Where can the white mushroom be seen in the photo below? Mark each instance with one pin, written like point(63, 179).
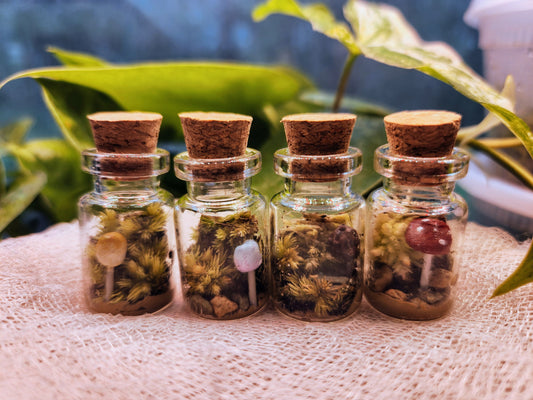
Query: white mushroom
point(110, 251)
point(247, 258)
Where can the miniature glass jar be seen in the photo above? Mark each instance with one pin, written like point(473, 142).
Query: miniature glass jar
point(317, 225)
point(127, 233)
point(222, 236)
point(414, 234)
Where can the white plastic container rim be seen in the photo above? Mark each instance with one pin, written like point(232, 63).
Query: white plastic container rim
point(481, 8)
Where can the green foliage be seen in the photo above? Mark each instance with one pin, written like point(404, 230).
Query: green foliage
point(19, 185)
point(381, 33)
point(521, 276)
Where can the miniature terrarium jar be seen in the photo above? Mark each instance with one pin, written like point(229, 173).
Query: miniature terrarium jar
point(317, 221)
point(221, 221)
point(127, 221)
point(415, 221)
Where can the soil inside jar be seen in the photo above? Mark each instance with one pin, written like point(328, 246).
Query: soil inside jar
point(149, 304)
point(413, 309)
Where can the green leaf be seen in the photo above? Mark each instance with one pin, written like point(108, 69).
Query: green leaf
point(169, 88)
point(73, 59)
point(69, 104)
point(16, 131)
point(323, 101)
point(65, 180)
point(505, 161)
point(369, 134)
point(318, 15)
point(490, 121)
point(384, 35)
point(19, 196)
point(521, 276)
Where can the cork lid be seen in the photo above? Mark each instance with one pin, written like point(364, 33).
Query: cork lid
point(318, 133)
point(215, 134)
point(129, 133)
point(422, 133)
point(125, 132)
point(314, 135)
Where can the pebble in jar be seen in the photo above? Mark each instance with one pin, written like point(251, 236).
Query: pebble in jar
point(222, 222)
point(317, 220)
point(127, 223)
point(416, 221)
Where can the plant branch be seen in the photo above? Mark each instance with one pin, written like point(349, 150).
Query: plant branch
point(501, 143)
point(508, 163)
point(343, 81)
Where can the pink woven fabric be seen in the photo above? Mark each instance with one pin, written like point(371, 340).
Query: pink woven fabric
point(51, 347)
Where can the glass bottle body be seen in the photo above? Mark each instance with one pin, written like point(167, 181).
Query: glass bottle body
point(128, 240)
point(222, 241)
point(414, 236)
point(317, 231)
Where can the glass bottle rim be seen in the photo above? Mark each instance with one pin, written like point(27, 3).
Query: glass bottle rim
point(125, 166)
point(315, 167)
point(217, 169)
point(427, 170)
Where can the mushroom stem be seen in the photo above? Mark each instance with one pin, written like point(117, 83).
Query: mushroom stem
point(109, 275)
point(426, 270)
point(252, 293)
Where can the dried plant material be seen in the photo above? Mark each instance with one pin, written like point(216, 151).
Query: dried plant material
point(315, 266)
point(215, 272)
point(410, 272)
point(141, 281)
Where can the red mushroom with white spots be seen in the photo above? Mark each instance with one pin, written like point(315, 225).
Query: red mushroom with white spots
point(431, 236)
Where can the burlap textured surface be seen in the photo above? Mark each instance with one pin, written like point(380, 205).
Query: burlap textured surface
point(51, 347)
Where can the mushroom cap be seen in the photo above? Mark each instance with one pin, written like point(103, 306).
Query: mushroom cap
point(429, 236)
point(247, 257)
point(111, 249)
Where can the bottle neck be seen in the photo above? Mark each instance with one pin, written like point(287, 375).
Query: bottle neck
point(219, 191)
point(411, 194)
point(339, 187)
point(114, 186)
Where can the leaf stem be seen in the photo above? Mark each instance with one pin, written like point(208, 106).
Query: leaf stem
point(343, 81)
point(505, 161)
point(501, 143)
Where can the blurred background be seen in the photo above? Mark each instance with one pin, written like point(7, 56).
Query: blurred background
point(123, 31)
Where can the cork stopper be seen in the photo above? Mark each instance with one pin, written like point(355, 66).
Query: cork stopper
point(125, 132)
point(318, 133)
point(424, 133)
point(216, 135)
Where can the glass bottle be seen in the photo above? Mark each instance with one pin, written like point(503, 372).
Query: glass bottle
point(127, 228)
point(317, 222)
point(415, 229)
point(221, 222)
